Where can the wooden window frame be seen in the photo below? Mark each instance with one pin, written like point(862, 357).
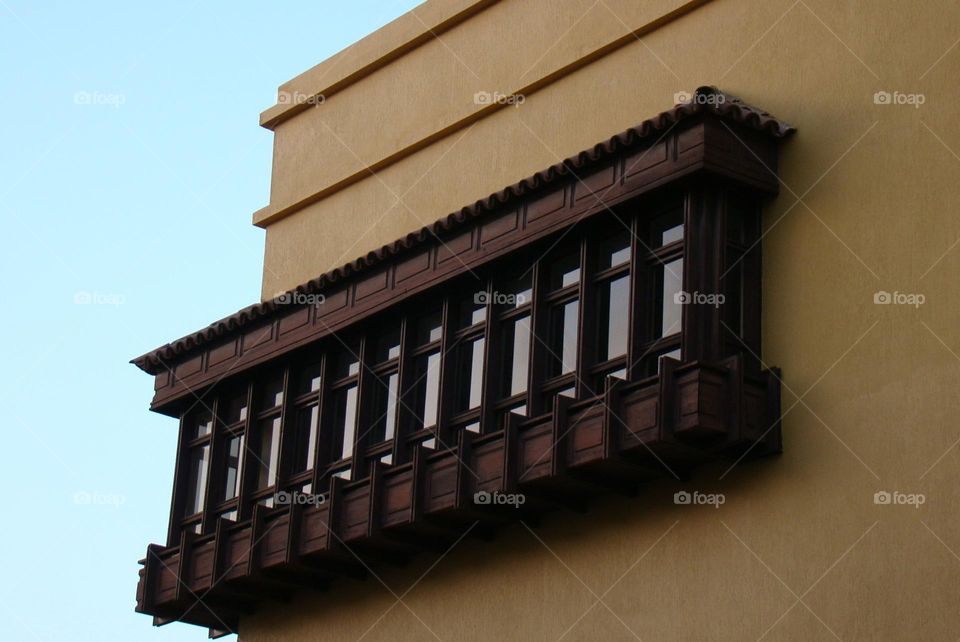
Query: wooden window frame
point(704, 208)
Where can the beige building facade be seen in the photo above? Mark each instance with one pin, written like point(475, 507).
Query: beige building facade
point(459, 98)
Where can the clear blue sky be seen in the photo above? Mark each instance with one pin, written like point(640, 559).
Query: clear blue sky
point(140, 202)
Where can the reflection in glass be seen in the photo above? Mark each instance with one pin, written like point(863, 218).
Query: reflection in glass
point(613, 304)
point(309, 380)
point(268, 454)
point(470, 374)
point(615, 251)
point(272, 394)
point(345, 418)
point(429, 328)
point(519, 292)
point(473, 310)
point(565, 271)
point(427, 391)
point(388, 346)
point(235, 409)
point(201, 424)
point(385, 409)
point(231, 482)
point(563, 335)
point(516, 355)
point(668, 228)
point(308, 421)
point(347, 362)
point(197, 479)
point(672, 307)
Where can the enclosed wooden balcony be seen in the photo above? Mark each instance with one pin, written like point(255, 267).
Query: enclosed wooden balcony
point(664, 425)
point(595, 326)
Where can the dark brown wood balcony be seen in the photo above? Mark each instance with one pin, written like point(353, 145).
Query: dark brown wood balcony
point(689, 414)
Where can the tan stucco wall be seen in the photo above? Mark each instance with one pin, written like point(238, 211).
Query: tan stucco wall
point(877, 384)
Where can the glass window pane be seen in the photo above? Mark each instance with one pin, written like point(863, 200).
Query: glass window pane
point(199, 424)
point(614, 306)
point(268, 454)
point(309, 379)
point(387, 346)
point(615, 251)
point(347, 362)
point(563, 338)
point(429, 328)
point(565, 271)
point(196, 479)
point(671, 304)
point(516, 355)
point(428, 390)
point(231, 481)
point(272, 394)
point(516, 293)
point(345, 418)
point(470, 374)
point(308, 422)
point(667, 228)
point(235, 408)
point(473, 311)
point(384, 408)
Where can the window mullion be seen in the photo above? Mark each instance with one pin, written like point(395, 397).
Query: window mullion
point(361, 426)
point(406, 391)
point(639, 329)
point(447, 375)
point(213, 466)
point(538, 338)
point(584, 293)
point(491, 364)
point(288, 429)
point(321, 458)
point(244, 505)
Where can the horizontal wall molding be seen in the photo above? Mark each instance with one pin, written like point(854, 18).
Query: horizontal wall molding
point(277, 114)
